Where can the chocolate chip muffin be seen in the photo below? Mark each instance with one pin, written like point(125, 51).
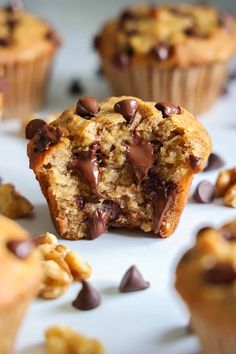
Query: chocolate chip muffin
point(27, 48)
point(19, 280)
point(177, 53)
point(206, 280)
point(122, 162)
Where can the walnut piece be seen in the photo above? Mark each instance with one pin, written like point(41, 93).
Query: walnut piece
point(13, 204)
point(226, 186)
point(61, 267)
point(65, 340)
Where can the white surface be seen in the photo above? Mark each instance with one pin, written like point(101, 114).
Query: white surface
point(148, 322)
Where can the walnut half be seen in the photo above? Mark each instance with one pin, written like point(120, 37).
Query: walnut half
point(65, 340)
point(61, 267)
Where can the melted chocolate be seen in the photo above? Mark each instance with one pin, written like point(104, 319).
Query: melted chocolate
point(48, 136)
point(140, 154)
point(86, 166)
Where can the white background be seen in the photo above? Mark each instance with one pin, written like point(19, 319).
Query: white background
point(148, 322)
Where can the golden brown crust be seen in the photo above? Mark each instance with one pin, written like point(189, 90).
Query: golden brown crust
point(182, 146)
point(195, 34)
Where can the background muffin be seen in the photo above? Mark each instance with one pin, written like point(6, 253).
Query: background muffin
point(176, 53)
point(27, 47)
point(19, 280)
point(206, 280)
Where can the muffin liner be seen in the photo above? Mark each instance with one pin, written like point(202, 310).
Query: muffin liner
point(213, 341)
point(27, 83)
point(195, 88)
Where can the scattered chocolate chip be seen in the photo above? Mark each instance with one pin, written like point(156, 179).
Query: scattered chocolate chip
point(121, 60)
point(195, 162)
point(127, 108)
point(140, 154)
point(86, 166)
point(76, 88)
point(222, 273)
point(214, 162)
point(162, 51)
point(133, 281)
point(87, 107)
point(5, 41)
point(33, 127)
point(205, 192)
point(48, 136)
point(20, 248)
point(167, 109)
point(161, 194)
point(97, 223)
point(52, 36)
point(88, 298)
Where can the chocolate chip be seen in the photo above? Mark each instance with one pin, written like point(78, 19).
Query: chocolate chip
point(20, 248)
point(121, 59)
point(33, 127)
point(161, 194)
point(214, 162)
point(140, 154)
point(127, 108)
point(222, 273)
point(52, 36)
point(88, 298)
point(162, 51)
point(85, 165)
point(97, 223)
point(205, 192)
point(113, 208)
point(195, 162)
point(167, 109)
point(48, 136)
point(6, 41)
point(87, 107)
point(76, 88)
point(133, 281)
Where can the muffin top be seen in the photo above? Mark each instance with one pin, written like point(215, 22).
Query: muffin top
point(23, 36)
point(176, 35)
point(206, 277)
point(20, 262)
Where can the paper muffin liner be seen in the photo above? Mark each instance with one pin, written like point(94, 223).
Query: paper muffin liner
point(195, 88)
point(27, 84)
point(212, 341)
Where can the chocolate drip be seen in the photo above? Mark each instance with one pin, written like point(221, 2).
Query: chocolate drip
point(97, 222)
point(140, 154)
point(86, 166)
point(161, 195)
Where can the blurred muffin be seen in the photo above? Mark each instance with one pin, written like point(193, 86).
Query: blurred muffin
point(177, 53)
point(19, 280)
point(3, 87)
point(27, 48)
point(206, 280)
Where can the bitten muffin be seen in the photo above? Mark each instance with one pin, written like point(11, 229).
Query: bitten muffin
point(206, 280)
point(27, 48)
point(122, 162)
point(19, 280)
point(177, 53)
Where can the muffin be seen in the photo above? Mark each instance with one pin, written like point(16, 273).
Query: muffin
point(178, 53)
point(122, 162)
point(27, 48)
point(206, 280)
point(20, 279)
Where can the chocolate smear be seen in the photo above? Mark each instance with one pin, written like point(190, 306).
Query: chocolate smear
point(86, 166)
point(88, 298)
point(33, 127)
point(20, 248)
point(133, 281)
point(140, 154)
